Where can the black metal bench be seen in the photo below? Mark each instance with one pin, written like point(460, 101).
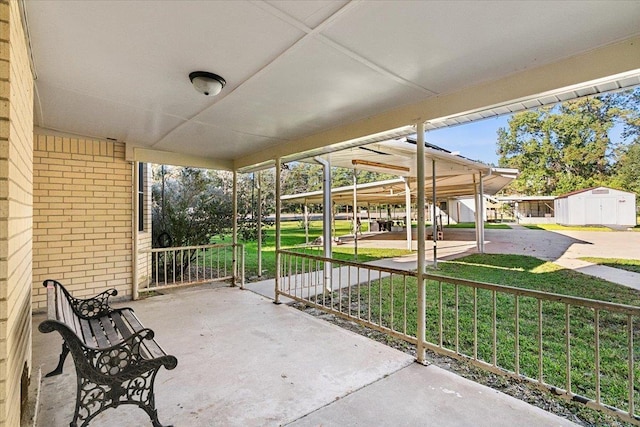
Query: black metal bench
point(116, 358)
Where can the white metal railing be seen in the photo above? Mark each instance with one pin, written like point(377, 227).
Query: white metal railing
point(191, 265)
point(584, 350)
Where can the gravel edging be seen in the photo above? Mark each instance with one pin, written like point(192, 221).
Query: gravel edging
point(522, 390)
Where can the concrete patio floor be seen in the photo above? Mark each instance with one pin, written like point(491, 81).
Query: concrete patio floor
point(244, 361)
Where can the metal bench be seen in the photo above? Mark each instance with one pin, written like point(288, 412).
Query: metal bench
point(116, 358)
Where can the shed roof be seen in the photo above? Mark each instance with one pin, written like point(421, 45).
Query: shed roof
point(573, 193)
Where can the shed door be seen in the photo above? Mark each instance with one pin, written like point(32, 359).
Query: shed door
point(601, 210)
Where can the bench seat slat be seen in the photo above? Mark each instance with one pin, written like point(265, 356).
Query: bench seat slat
point(98, 332)
point(112, 335)
point(120, 324)
point(132, 320)
point(87, 335)
point(153, 349)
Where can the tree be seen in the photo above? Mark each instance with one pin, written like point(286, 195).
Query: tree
point(562, 148)
point(627, 175)
point(190, 206)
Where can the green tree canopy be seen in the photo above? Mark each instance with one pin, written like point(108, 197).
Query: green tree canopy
point(567, 147)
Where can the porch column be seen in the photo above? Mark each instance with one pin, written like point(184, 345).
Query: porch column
point(327, 208)
point(421, 327)
point(481, 214)
point(259, 223)
point(278, 207)
point(355, 214)
point(136, 214)
point(407, 202)
point(234, 237)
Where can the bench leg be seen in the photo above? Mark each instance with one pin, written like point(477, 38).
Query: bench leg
point(92, 399)
point(63, 356)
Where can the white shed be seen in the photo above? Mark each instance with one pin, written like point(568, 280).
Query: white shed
point(596, 206)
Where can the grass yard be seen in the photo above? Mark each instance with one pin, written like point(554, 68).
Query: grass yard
point(558, 227)
point(487, 225)
point(623, 264)
point(292, 236)
point(384, 302)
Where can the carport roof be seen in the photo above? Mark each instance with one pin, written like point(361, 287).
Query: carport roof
point(393, 191)
point(455, 175)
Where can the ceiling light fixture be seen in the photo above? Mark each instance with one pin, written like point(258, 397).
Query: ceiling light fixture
point(207, 83)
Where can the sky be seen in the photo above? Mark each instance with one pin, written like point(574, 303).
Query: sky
point(476, 140)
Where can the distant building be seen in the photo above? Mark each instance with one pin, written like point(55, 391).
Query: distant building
point(596, 206)
point(531, 209)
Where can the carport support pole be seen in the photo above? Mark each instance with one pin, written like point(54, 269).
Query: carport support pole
point(435, 217)
point(407, 202)
point(234, 237)
point(278, 256)
point(476, 204)
point(259, 223)
point(421, 326)
point(355, 214)
point(306, 223)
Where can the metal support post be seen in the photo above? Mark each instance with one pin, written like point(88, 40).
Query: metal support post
point(259, 223)
point(475, 206)
point(407, 202)
point(234, 237)
point(327, 208)
point(355, 214)
point(421, 326)
point(278, 255)
point(481, 213)
point(435, 216)
point(134, 226)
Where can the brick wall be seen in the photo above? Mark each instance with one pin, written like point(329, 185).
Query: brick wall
point(16, 197)
point(82, 216)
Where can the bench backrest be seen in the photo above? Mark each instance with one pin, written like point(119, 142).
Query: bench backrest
point(107, 330)
point(59, 307)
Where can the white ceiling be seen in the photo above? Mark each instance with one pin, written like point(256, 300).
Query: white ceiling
point(304, 74)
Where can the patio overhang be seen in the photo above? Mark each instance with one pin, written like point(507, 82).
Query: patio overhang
point(328, 74)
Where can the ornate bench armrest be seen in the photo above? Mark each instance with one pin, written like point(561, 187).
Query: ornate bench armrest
point(126, 357)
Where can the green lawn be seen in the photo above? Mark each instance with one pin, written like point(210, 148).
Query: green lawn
point(384, 303)
point(487, 225)
point(293, 235)
point(558, 227)
point(624, 264)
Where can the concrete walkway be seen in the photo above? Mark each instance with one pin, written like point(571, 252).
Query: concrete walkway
point(243, 361)
point(561, 247)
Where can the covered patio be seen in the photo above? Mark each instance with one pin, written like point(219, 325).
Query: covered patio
point(244, 361)
point(93, 92)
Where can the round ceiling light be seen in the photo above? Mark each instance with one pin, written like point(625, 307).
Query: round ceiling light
point(207, 83)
